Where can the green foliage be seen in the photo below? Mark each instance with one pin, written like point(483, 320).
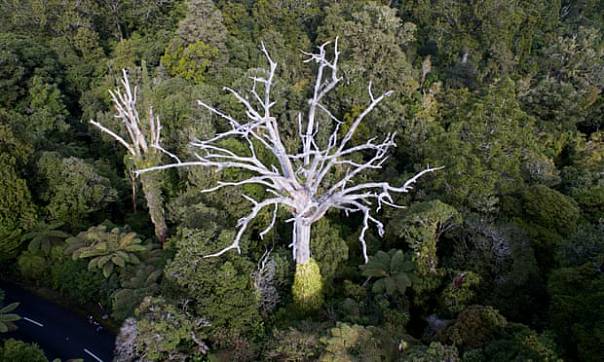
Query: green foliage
point(13, 143)
point(300, 343)
point(200, 42)
point(372, 41)
point(550, 209)
point(576, 310)
point(504, 259)
point(7, 317)
point(589, 156)
point(190, 62)
point(165, 331)
point(422, 226)
point(44, 236)
point(352, 343)
point(33, 265)
point(10, 244)
point(13, 350)
point(516, 342)
point(203, 21)
point(307, 290)
point(136, 283)
point(23, 58)
point(329, 249)
point(222, 290)
point(435, 352)
point(460, 292)
point(73, 279)
point(570, 78)
point(16, 207)
point(494, 37)
point(474, 327)
point(482, 144)
point(585, 245)
point(394, 272)
point(591, 202)
point(106, 250)
point(73, 188)
point(48, 113)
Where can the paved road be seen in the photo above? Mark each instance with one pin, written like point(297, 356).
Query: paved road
point(59, 332)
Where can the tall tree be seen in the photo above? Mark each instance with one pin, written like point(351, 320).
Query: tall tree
point(309, 179)
point(143, 149)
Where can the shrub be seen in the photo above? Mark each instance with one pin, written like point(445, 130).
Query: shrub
point(299, 343)
point(166, 332)
point(474, 327)
point(591, 201)
point(516, 342)
point(460, 291)
point(222, 289)
point(353, 343)
point(421, 228)
point(10, 245)
point(191, 61)
point(73, 188)
point(16, 207)
point(576, 311)
point(329, 250)
point(18, 351)
point(435, 352)
point(136, 282)
point(73, 279)
point(551, 209)
point(33, 265)
point(583, 246)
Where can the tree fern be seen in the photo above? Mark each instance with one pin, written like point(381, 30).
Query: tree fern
point(44, 236)
point(104, 249)
point(7, 318)
point(393, 270)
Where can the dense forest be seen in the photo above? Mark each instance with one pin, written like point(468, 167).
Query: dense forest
point(113, 200)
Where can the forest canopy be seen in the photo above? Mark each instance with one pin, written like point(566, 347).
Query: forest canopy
point(448, 154)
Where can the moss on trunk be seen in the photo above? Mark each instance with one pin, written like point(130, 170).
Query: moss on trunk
point(153, 195)
point(308, 287)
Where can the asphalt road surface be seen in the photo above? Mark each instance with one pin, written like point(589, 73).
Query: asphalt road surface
point(59, 332)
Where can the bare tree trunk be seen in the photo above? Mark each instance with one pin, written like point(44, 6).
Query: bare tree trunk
point(308, 283)
point(302, 237)
point(152, 192)
point(301, 182)
point(133, 182)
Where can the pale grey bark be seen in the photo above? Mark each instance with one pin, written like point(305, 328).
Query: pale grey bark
point(144, 148)
point(301, 234)
point(299, 181)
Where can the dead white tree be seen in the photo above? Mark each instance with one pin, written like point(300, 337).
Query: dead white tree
point(143, 148)
point(299, 181)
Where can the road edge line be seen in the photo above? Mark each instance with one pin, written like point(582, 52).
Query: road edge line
point(93, 356)
point(34, 322)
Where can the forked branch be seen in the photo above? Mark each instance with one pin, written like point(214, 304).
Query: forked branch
point(298, 180)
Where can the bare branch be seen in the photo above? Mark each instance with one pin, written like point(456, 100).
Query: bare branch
point(125, 106)
point(272, 223)
point(114, 136)
point(307, 199)
point(259, 180)
point(244, 222)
